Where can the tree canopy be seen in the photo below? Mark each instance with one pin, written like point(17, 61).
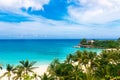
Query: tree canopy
point(102, 43)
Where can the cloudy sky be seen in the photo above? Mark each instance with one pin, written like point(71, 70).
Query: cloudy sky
point(48, 19)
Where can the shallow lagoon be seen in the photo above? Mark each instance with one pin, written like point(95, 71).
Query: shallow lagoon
point(42, 51)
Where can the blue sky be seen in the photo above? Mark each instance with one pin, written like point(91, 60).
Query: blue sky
point(59, 19)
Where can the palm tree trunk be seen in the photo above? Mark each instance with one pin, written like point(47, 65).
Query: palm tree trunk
point(26, 72)
point(8, 77)
point(76, 78)
point(20, 78)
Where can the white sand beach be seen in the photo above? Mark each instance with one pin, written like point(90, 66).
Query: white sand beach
point(40, 71)
point(109, 49)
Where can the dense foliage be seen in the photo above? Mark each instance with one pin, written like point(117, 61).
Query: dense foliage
point(78, 66)
point(106, 44)
point(87, 66)
point(83, 41)
point(102, 43)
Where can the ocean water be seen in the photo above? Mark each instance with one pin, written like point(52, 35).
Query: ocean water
point(43, 51)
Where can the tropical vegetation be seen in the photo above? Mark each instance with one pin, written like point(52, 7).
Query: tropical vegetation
point(101, 43)
point(81, 65)
point(87, 66)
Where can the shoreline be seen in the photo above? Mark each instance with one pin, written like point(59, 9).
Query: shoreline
point(111, 49)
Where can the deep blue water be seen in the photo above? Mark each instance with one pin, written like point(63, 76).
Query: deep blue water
point(43, 51)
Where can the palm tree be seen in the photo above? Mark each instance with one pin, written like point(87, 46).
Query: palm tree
point(79, 55)
point(77, 73)
point(108, 64)
point(9, 69)
point(19, 72)
point(27, 66)
point(35, 76)
point(69, 59)
point(45, 76)
point(64, 71)
point(52, 67)
point(87, 61)
point(85, 58)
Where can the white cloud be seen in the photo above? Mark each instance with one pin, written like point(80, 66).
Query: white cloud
point(40, 29)
point(95, 11)
point(12, 5)
point(52, 29)
point(92, 11)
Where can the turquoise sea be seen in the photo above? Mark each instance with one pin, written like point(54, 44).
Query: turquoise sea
point(43, 51)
